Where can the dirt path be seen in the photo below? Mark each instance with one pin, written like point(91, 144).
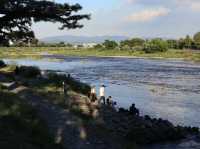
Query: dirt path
point(67, 128)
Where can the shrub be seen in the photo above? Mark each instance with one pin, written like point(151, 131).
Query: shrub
point(28, 71)
point(138, 48)
point(197, 37)
point(74, 84)
point(56, 78)
point(98, 46)
point(125, 47)
point(78, 86)
point(155, 45)
point(2, 64)
point(133, 42)
point(108, 44)
point(197, 45)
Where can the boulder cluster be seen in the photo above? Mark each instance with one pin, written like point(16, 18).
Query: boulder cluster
point(143, 129)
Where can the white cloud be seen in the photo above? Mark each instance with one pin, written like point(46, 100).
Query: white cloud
point(195, 6)
point(192, 4)
point(147, 15)
point(130, 1)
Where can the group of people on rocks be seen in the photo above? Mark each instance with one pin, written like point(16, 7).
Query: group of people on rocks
point(102, 99)
point(105, 101)
point(109, 102)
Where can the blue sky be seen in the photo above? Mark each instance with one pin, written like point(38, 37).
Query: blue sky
point(134, 18)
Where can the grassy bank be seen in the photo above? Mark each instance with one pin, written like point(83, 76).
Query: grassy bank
point(20, 126)
point(37, 52)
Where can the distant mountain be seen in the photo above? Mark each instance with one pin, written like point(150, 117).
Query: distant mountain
point(82, 39)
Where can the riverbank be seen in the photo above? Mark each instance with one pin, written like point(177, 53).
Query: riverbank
point(21, 126)
point(38, 52)
point(89, 124)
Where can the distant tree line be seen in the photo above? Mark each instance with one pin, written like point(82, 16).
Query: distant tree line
point(147, 45)
point(153, 45)
point(36, 43)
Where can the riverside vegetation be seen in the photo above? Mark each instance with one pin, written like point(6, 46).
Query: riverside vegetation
point(185, 48)
point(20, 125)
point(39, 52)
point(105, 127)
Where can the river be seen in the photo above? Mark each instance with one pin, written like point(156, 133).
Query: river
point(161, 88)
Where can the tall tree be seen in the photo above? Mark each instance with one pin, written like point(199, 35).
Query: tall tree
point(172, 43)
point(188, 42)
point(156, 45)
point(197, 37)
point(109, 44)
point(17, 16)
point(133, 42)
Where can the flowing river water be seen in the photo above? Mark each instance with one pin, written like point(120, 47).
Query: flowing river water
point(169, 89)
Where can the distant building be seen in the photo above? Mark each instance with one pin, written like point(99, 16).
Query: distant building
point(89, 45)
point(84, 45)
point(75, 46)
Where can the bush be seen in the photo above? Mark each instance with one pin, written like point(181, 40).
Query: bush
point(78, 86)
point(56, 78)
point(155, 45)
point(108, 44)
point(75, 85)
point(138, 48)
point(133, 42)
point(197, 37)
point(28, 71)
point(197, 45)
point(2, 64)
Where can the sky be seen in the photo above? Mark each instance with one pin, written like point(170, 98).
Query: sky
point(133, 18)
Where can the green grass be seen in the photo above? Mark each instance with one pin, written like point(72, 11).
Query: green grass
point(20, 126)
point(8, 69)
point(36, 52)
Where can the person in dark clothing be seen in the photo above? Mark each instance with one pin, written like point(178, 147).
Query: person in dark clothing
point(93, 95)
point(17, 70)
point(133, 110)
point(102, 99)
point(65, 88)
point(109, 100)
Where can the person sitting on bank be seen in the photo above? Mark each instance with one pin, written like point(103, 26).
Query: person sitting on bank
point(68, 75)
point(65, 93)
point(102, 94)
point(114, 104)
point(109, 101)
point(64, 88)
point(133, 110)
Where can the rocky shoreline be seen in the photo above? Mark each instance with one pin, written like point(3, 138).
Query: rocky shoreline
point(144, 129)
point(135, 129)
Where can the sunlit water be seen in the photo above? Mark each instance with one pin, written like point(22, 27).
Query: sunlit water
point(161, 88)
